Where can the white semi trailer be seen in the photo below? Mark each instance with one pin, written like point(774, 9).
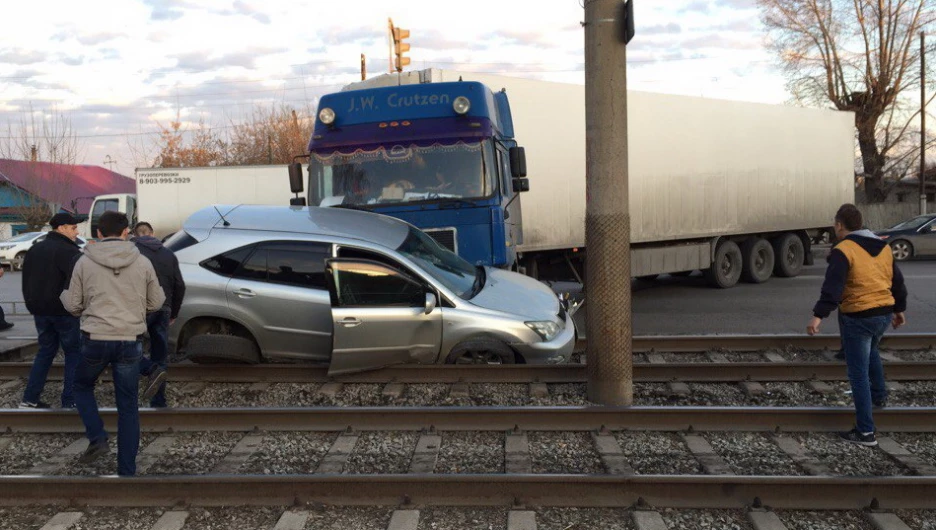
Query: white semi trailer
point(731, 188)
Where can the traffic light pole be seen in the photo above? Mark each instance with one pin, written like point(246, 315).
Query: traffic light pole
point(607, 218)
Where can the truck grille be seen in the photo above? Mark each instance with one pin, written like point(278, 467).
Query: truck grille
point(444, 237)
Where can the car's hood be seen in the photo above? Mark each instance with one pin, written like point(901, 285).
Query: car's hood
point(517, 294)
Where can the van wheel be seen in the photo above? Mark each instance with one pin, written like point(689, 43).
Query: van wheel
point(758, 257)
point(207, 348)
point(789, 254)
point(481, 351)
point(726, 267)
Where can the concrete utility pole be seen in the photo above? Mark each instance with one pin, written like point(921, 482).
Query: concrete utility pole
point(607, 217)
point(922, 123)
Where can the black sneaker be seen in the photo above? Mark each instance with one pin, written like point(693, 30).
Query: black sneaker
point(840, 356)
point(34, 405)
point(93, 452)
point(5, 326)
point(155, 380)
point(879, 404)
point(855, 437)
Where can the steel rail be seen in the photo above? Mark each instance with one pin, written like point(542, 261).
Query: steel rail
point(664, 491)
point(701, 343)
point(518, 373)
point(802, 419)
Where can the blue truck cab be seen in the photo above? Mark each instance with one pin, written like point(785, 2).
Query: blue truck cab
point(440, 156)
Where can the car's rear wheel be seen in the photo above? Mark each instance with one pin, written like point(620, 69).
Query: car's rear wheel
point(902, 250)
point(481, 351)
point(17, 264)
point(208, 348)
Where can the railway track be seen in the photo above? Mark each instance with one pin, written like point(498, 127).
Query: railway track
point(723, 372)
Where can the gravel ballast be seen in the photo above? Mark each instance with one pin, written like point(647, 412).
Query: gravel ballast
point(920, 444)
point(26, 517)
point(471, 452)
point(106, 465)
point(349, 518)
point(284, 453)
point(705, 519)
point(564, 452)
point(657, 453)
point(96, 518)
point(195, 453)
point(583, 519)
point(382, 452)
point(241, 518)
point(27, 450)
point(918, 519)
point(828, 520)
point(449, 518)
point(752, 454)
point(847, 459)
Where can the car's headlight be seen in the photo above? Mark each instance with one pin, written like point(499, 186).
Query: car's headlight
point(546, 329)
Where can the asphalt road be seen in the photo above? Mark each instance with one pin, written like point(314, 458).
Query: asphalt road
point(679, 306)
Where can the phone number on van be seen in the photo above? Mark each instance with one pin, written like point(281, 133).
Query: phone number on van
point(165, 180)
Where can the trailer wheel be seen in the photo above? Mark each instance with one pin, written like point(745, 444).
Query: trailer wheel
point(726, 267)
point(789, 254)
point(758, 263)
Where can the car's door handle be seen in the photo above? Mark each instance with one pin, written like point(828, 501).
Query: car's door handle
point(350, 322)
point(245, 293)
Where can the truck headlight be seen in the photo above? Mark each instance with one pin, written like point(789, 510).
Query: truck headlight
point(547, 329)
point(327, 116)
point(461, 105)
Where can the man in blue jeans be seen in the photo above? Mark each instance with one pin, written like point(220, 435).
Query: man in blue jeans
point(868, 289)
point(112, 289)
point(46, 270)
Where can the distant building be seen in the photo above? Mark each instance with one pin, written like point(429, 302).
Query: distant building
point(32, 190)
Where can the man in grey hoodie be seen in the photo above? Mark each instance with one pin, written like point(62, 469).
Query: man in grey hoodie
point(112, 289)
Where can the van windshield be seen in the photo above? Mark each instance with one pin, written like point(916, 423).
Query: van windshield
point(456, 274)
point(393, 174)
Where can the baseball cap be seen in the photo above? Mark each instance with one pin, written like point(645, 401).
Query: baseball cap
point(62, 218)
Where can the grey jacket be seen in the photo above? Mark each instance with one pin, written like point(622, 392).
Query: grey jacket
point(112, 288)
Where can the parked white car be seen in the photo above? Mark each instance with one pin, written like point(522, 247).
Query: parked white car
point(13, 250)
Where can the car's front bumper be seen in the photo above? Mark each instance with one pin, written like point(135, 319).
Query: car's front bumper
point(556, 351)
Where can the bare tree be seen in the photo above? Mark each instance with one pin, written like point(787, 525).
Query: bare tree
point(858, 55)
point(50, 146)
point(271, 136)
point(205, 147)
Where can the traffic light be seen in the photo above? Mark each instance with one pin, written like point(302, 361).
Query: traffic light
point(400, 47)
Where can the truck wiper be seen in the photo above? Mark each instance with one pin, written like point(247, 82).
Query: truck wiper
point(452, 202)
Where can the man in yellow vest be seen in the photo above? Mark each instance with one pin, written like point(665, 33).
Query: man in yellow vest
point(865, 284)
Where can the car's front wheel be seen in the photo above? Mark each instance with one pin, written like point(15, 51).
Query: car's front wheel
point(481, 351)
point(902, 250)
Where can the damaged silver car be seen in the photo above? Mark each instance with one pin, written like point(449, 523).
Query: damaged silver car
point(354, 289)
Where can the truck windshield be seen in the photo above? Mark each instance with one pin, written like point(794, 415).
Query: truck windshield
point(456, 274)
point(402, 174)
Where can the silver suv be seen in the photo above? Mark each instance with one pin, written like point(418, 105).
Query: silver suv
point(356, 289)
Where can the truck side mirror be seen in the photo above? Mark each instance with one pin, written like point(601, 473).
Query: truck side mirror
point(295, 178)
point(521, 185)
point(518, 162)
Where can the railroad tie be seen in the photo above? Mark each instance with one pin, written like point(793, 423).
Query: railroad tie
point(173, 520)
point(63, 521)
point(9, 385)
point(330, 390)
point(258, 387)
point(5, 441)
point(404, 520)
point(292, 520)
point(459, 390)
point(338, 454)
point(521, 520)
point(517, 454)
point(716, 357)
point(762, 520)
point(539, 391)
point(655, 358)
point(712, 462)
point(820, 387)
point(612, 456)
point(678, 388)
point(426, 453)
point(774, 357)
point(59, 459)
point(649, 520)
point(894, 386)
point(905, 457)
point(153, 452)
point(393, 390)
point(801, 456)
point(753, 388)
point(193, 388)
point(889, 357)
point(238, 456)
point(886, 521)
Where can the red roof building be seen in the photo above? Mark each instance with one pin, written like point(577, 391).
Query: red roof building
point(71, 187)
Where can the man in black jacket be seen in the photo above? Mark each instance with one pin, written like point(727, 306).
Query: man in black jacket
point(46, 272)
point(158, 322)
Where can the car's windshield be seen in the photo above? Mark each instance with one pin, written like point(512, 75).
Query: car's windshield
point(24, 237)
point(453, 272)
point(396, 174)
point(912, 224)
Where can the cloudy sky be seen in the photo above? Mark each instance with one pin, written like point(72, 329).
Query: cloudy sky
point(117, 67)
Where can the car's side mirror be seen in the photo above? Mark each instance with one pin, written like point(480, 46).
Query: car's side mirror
point(431, 302)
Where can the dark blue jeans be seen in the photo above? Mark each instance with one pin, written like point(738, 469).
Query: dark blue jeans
point(53, 332)
point(861, 337)
point(157, 324)
point(124, 358)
